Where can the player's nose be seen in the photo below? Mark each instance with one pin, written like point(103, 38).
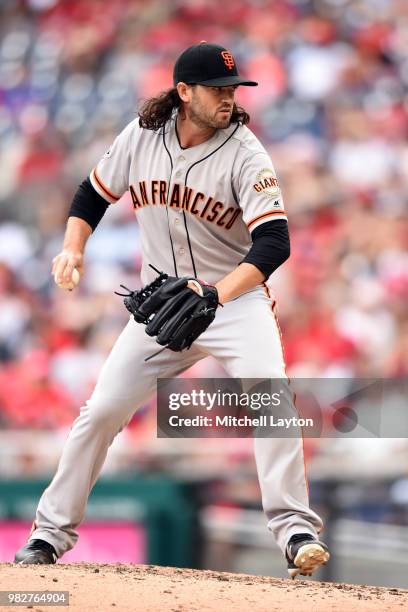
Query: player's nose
point(227, 101)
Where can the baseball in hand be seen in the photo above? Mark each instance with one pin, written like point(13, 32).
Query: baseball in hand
point(75, 278)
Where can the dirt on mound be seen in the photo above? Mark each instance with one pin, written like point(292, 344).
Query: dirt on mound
point(150, 588)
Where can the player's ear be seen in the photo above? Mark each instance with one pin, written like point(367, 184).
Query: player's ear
point(184, 91)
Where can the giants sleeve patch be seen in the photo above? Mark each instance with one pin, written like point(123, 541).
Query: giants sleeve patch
point(267, 183)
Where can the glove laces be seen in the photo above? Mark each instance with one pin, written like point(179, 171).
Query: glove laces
point(148, 289)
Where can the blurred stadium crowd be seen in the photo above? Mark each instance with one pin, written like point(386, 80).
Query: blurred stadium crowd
point(332, 110)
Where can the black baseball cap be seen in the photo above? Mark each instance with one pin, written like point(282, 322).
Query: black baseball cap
point(210, 65)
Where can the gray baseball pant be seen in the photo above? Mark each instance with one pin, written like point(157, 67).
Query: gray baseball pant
point(245, 339)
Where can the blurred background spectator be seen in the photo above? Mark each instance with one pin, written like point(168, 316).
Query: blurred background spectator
point(331, 109)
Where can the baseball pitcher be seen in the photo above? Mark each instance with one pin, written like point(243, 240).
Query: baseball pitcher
point(213, 228)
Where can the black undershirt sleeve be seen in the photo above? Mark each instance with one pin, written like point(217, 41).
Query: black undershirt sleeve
point(270, 247)
point(88, 205)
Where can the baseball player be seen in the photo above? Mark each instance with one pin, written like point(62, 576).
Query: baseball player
point(209, 207)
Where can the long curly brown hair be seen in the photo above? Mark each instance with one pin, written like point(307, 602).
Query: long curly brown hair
point(155, 112)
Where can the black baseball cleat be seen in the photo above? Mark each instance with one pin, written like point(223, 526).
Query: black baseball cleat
point(305, 554)
point(36, 551)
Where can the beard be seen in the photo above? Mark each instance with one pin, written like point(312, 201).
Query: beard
point(200, 116)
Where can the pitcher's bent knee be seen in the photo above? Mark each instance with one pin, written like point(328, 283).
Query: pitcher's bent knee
point(105, 412)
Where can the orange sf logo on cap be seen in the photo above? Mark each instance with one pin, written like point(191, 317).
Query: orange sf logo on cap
point(228, 59)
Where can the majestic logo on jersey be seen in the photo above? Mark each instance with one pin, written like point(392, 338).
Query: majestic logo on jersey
point(267, 183)
point(228, 59)
point(196, 203)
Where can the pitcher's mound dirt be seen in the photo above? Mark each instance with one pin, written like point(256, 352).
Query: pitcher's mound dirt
point(149, 588)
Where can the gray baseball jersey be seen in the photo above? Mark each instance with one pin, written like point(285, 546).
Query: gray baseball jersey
point(226, 186)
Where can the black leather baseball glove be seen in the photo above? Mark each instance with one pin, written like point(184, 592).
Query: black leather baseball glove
point(171, 311)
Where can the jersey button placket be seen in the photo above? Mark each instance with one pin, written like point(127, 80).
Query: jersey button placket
point(180, 166)
point(179, 173)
